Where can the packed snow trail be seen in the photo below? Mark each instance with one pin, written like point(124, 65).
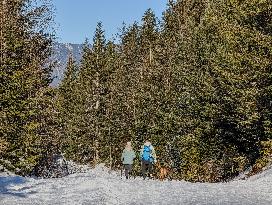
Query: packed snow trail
point(98, 187)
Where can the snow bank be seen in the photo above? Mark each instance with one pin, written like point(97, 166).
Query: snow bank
point(99, 186)
point(266, 174)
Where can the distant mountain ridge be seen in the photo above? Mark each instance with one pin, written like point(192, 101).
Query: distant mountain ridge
point(61, 53)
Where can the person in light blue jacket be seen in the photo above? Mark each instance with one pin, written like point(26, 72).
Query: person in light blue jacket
point(127, 158)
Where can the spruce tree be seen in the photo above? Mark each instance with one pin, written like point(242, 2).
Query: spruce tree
point(92, 100)
point(187, 85)
point(234, 53)
point(126, 79)
point(67, 106)
point(148, 35)
point(24, 80)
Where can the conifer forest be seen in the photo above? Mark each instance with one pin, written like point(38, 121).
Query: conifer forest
point(197, 83)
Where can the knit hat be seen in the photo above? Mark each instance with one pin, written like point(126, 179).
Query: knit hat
point(128, 146)
point(147, 143)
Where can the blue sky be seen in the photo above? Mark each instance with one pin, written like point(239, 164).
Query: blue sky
point(76, 19)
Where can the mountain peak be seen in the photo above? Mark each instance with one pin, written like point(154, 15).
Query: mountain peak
point(61, 52)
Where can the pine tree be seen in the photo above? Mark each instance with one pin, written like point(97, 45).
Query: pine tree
point(148, 35)
point(111, 139)
point(234, 53)
point(126, 80)
point(78, 143)
point(24, 80)
point(67, 105)
point(185, 84)
point(93, 101)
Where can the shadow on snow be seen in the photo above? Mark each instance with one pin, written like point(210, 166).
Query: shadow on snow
point(7, 181)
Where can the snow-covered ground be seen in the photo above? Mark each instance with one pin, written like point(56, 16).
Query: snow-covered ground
point(98, 186)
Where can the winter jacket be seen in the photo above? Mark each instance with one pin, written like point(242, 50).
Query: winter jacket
point(128, 156)
point(152, 154)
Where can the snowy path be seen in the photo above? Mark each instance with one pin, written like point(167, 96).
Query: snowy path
point(98, 187)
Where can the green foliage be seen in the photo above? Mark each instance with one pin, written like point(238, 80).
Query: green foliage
point(265, 159)
point(24, 79)
point(198, 86)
